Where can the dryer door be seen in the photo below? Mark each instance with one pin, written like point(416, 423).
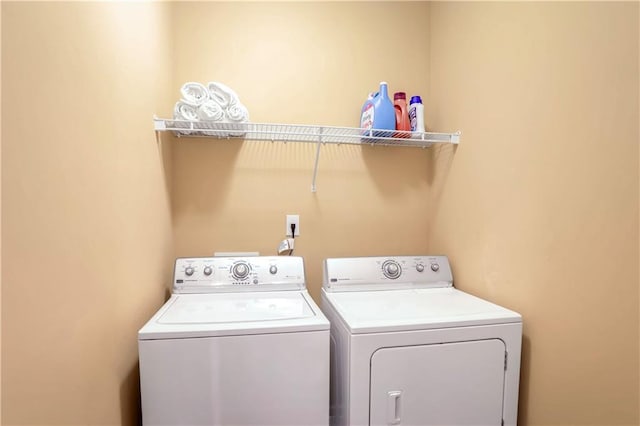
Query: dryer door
point(457, 384)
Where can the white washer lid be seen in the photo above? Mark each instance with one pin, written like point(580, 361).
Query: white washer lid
point(416, 309)
point(208, 315)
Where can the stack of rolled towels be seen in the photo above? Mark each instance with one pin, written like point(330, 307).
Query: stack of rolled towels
point(213, 103)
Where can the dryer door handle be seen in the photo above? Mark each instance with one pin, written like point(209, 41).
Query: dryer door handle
point(393, 407)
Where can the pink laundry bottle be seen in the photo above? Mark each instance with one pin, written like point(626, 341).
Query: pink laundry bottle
point(402, 114)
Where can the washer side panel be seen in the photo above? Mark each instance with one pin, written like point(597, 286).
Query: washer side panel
point(269, 379)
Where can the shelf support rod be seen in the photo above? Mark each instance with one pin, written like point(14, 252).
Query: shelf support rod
point(315, 167)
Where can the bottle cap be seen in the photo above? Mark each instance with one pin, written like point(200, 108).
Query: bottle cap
point(415, 100)
point(399, 95)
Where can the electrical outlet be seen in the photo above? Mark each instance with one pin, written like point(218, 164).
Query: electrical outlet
point(293, 218)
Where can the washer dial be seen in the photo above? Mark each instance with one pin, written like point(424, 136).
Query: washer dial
point(240, 270)
point(189, 271)
point(207, 270)
point(391, 269)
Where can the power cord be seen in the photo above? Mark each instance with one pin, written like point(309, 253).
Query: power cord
point(293, 234)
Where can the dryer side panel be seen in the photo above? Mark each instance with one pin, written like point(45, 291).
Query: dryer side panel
point(340, 371)
point(458, 384)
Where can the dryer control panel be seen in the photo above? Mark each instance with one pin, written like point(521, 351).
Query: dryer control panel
point(386, 273)
point(234, 274)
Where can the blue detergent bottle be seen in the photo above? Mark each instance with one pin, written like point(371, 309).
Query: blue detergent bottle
point(378, 114)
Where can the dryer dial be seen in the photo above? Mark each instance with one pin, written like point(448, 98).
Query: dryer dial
point(391, 269)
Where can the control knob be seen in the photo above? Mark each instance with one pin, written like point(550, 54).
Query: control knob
point(419, 267)
point(435, 267)
point(207, 270)
point(240, 270)
point(189, 271)
point(391, 269)
point(273, 269)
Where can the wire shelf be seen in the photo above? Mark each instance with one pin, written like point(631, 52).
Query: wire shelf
point(303, 133)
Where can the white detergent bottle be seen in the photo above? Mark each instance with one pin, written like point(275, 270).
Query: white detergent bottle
point(416, 114)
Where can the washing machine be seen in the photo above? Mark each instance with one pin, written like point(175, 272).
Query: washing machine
point(239, 342)
point(407, 348)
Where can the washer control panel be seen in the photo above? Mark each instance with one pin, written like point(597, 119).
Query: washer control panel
point(231, 274)
point(383, 273)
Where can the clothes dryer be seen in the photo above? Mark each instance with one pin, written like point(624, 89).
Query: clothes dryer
point(240, 342)
point(408, 348)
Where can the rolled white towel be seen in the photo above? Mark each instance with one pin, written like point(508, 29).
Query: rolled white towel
point(237, 115)
point(194, 93)
point(211, 112)
point(184, 111)
point(222, 94)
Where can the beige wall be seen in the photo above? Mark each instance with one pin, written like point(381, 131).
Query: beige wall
point(0, 228)
point(538, 209)
point(86, 220)
point(301, 63)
